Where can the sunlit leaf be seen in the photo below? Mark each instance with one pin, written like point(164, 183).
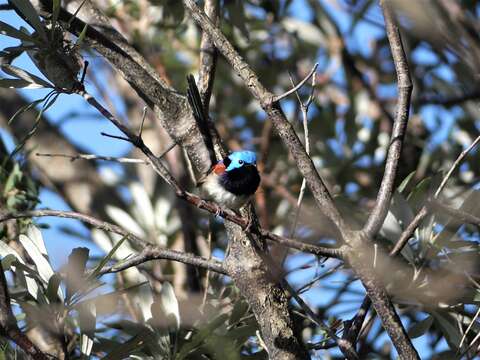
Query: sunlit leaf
point(169, 304)
point(87, 322)
point(30, 282)
point(143, 204)
point(40, 261)
point(124, 219)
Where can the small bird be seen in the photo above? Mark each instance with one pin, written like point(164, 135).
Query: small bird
point(233, 180)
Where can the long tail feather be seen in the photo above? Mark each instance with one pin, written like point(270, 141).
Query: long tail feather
point(193, 96)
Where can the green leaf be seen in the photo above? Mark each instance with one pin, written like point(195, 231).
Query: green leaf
point(6, 29)
point(13, 178)
point(405, 182)
point(81, 37)
point(25, 75)
point(201, 336)
point(106, 259)
point(134, 344)
point(87, 315)
point(55, 12)
point(77, 261)
point(53, 288)
point(27, 9)
point(8, 261)
point(25, 108)
point(421, 327)
point(41, 262)
point(18, 84)
point(239, 310)
point(169, 305)
point(447, 325)
point(417, 197)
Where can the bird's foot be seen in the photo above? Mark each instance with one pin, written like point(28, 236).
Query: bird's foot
point(218, 210)
point(201, 203)
point(250, 223)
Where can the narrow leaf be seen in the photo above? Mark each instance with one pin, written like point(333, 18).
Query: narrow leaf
point(6, 29)
point(27, 9)
point(18, 84)
point(106, 259)
point(25, 75)
point(81, 37)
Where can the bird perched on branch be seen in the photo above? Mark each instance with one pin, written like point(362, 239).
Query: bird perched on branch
point(233, 180)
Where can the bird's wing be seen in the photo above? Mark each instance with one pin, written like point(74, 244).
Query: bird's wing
point(218, 169)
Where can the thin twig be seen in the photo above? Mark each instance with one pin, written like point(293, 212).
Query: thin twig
point(457, 162)
point(298, 86)
point(304, 108)
point(155, 253)
point(96, 157)
point(468, 328)
point(144, 115)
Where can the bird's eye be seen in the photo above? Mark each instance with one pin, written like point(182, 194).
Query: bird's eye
point(240, 162)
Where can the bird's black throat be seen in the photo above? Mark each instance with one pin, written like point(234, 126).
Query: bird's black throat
point(241, 181)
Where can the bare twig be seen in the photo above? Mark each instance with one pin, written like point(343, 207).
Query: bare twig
point(8, 323)
point(347, 349)
point(155, 253)
point(457, 162)
point(96, 157)
point(149, 252)
point(295, 88)
point(380, 210)
point(304, 108)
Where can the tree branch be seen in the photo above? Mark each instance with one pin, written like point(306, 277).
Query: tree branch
point(156, 253)
point(274, 112)
point(380, 210)
point(149, 252)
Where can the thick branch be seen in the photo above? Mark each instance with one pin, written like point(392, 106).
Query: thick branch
point(379, 212)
